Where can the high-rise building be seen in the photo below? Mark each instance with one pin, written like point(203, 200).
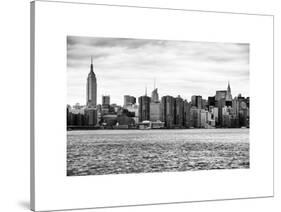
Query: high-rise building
point(186, 114)
point(155, 106)
point(198, 117)
point(155, 111)
point(229, 118)
point(91, 116)
point(196, 101)
point(241, 110)
point(248, 102)
point(220, 104)
point(213, 116)
point(203, 118)
point(224, 94)
point(129, 100)
point(134, 109)
point(155, 95)
point(179, 112)
point(211, 101)
point(220, 95)
point(144, 108)
point(91, 88)
point(228, 93)
point(168, 111)
point(68, 115)
point(204, 103)
point(105, 101)
point(76, 115)
point(195, 118)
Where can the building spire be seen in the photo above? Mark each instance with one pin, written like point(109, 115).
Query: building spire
point(145, 90)
point(92, 68)
point(154, 83)
point(228, 93)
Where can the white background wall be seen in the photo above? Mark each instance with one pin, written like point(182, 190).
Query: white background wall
point(14, 104)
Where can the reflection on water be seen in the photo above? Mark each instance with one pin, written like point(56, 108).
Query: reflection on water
point(100, 152)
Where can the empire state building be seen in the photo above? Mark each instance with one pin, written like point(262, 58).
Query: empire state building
point(91, 88)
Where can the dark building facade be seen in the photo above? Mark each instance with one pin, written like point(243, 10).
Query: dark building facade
point(196, 101)
point(91, 116)
point(211, 101)
point(168, 111)
point(179, 112)
point(220, 95)
point(105, 101)
point(220, 104)
point(144, 108)
point(129, 100)
point(186, 114)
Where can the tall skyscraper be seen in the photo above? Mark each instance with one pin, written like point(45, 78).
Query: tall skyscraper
point(228, 93)
point(241, 110)
point(144, 107)
point(155, 111)
point(220, 95)
point(196, 101)
point(155, 105)
point(195, 117)
point(179, 112)
point(91, 88)
point(129, 100)
point(105, 100)
point(155, 95)
point(186, 113)
point(211, 101)
point(220, 104)
point(168, 111)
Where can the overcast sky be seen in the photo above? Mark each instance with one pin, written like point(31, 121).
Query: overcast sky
point(127, 66)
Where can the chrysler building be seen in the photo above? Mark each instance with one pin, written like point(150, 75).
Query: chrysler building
point(228, 93)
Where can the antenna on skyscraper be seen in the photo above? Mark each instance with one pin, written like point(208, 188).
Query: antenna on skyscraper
point(228, 86)
point(92, 68)
point(145, 90)
point(154, 83)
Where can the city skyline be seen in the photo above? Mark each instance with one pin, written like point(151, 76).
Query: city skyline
point(136, 129)
point(224, 62)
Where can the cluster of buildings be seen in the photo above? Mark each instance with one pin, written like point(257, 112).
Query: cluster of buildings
point(145, 112)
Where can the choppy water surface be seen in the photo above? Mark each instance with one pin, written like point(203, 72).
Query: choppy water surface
point(100, 152)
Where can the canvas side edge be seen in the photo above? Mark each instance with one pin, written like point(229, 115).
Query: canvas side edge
point(32, 106)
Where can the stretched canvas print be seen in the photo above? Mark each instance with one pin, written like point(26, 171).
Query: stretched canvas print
point(143, 105)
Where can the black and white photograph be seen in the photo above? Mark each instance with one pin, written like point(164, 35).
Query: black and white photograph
point(141, 105)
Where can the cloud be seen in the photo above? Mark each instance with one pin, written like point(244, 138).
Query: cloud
point(126, 66)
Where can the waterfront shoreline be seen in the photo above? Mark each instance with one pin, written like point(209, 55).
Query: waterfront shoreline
point(105, 129)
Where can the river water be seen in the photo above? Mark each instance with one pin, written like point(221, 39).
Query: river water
point(100, 152)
